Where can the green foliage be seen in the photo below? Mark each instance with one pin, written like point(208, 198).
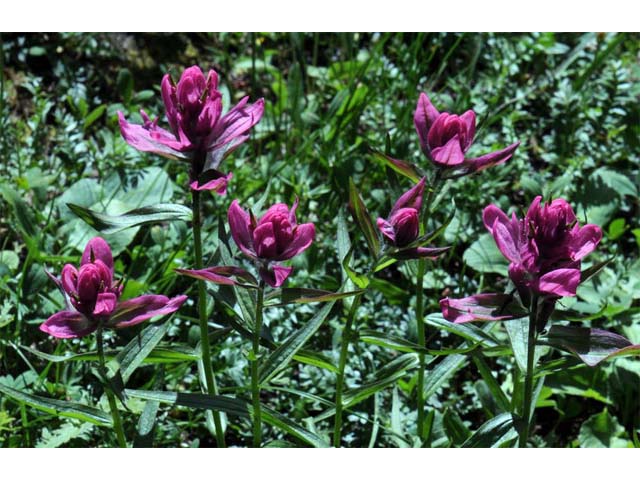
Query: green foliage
point(333, 104)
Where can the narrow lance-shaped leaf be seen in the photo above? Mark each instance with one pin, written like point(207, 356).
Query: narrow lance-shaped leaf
point(591, 345)
point(400, 166)
point(230, 406)
point(285, 296)
point(282, 355)
point(108, 224)
point(363, 219)
point(59, 407)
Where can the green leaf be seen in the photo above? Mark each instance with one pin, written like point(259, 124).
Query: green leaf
point(124, 82)
point(25, 218)
point(618, 182)
point(285, 296)
point(135, 352)
point(146, 424)
point(172, 354)
point(108, 224)
point(602, 431)
point(467, 331)
point(455, 428)
point(282, 355)
point(59, 407)
point(362, 217)
point(360, 280)
point(95, 114)
point(10, 259)
point(518, 330)
point(483, 256)
point(591, 345)
point(494, 433)
point(387, 375)
point(231, 406)
point(400, 166)
point(400, 344)
point(498, 394)
point(441, 373)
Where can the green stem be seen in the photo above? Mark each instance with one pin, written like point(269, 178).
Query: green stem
point(528, 379)
point(420, 329)
point(255, 364)
point(113, 406)
point(422, 342)
point(211, 387)
point(344, 349)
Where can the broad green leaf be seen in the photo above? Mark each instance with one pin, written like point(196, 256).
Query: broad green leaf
point(484, 256)
point(109, 224)
point(494, 433)
point(25, 218)
point(10, 259)
point(616, 181)
point(282, 355)
point(602, 430)
point(362, 217)
point(59, 407)
point(230, 406)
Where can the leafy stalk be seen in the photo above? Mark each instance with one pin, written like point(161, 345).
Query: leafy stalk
point(528, 379)
point(420, 328)
point(113, 406)
point(255, 364)
point(346, 340)
point(211, 387)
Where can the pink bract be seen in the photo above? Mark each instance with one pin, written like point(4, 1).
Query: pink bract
point(199, 133)
point(95, 297)
point(446, 137)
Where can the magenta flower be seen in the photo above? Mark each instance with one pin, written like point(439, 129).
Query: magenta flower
point(445, 139)
point(274, 238)
point(403, 225)
point(94, 297)
point(402, 228)
point(199, 132)
point(545, 249)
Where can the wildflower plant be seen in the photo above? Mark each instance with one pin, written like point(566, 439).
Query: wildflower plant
point(264, 377)
point(545, 250)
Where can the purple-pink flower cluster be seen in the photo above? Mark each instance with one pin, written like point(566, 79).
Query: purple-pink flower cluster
point(545, 249)
point(199, 132)
point(94, 297)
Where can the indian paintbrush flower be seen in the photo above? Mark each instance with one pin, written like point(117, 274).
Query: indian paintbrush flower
point(272, 239)
point(402, 227)
point(445, 139)
point(94, 297)
point(544, 249)
point(199, 132)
